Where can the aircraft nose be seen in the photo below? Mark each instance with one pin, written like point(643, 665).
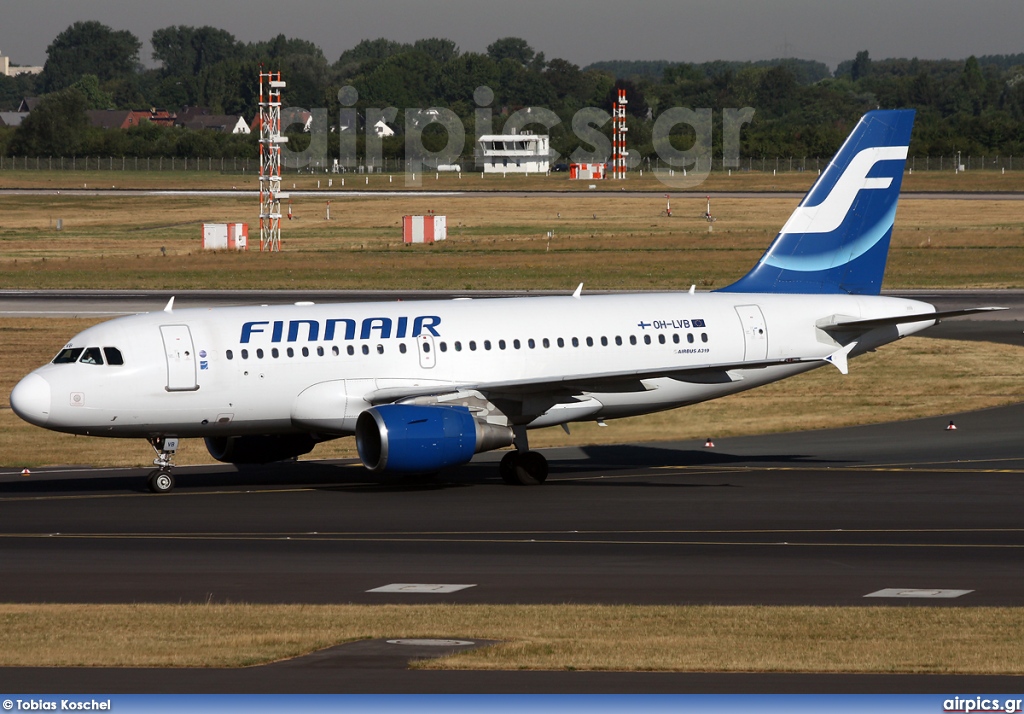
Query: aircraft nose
point(31, 399)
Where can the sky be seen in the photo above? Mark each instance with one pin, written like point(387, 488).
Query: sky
point(580, 31)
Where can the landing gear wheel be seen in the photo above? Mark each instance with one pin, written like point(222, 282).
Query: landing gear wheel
point(526, 468)
point(161, 481)
point(507, 468)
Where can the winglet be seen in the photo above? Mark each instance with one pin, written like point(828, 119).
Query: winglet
point(693, 289)
point(170, 305)
point(839, 358)
point(579, 291)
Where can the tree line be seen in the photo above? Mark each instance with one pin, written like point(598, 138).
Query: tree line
point(975, 105)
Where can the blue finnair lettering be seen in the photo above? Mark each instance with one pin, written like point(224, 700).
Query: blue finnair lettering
point(342, 328)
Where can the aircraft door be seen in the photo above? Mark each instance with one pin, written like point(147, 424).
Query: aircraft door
point(755, 332)
point(425, 345)
point(181, 358)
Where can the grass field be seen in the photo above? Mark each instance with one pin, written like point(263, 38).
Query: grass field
point(549, 637)
point(495, 242)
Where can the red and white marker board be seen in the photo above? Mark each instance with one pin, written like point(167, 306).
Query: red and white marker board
point(424, 229)
point(225, 236)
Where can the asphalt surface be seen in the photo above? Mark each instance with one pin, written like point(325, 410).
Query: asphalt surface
point(822, 518)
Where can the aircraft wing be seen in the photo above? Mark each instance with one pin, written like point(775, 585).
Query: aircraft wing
point(598, 382)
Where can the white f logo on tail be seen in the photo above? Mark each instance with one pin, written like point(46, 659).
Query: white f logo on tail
point(829, 214)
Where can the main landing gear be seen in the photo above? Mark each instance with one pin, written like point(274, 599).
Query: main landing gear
point(523, 467)
point(160, 479)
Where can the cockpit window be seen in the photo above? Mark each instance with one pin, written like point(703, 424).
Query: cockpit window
point(113, 355)
point(91, 356)
point(68, 355)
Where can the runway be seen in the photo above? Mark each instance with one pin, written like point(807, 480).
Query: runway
point(822, 518)
point(810, 518)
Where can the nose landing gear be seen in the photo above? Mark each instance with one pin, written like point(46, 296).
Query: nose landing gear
point(160, 479)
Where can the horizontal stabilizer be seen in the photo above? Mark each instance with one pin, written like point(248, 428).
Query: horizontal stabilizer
point(839, 324)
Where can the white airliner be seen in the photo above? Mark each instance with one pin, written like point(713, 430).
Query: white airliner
point(425, 385)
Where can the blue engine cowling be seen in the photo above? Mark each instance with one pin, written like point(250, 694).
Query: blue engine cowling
point(415, 438)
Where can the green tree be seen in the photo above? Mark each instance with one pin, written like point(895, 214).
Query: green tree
point(89, 48)
point(440, 50)
point(861, 66)
point(95, 98)
point(514, 48)
point(57, 127)
point(187, 50)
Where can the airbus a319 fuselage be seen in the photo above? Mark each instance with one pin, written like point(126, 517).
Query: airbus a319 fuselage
point(426, 384)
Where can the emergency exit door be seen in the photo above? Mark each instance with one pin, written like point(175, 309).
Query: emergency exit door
point(755, 332)
point(181, 358)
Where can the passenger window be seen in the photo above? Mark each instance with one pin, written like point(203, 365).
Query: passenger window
point(402, 348)
point(274, 353)
point(531, 343)
point(675, 338)
point(516, 344)
point(703, 337)
point(113, 356)
point(661, 339)
point(380, 349)
point(245, 354)
point(632, 339)
point(320, 351)
point(472, 345)
point(69, 355)
point(618, 340)
point(291, 352)
point(546, 343)
point(487, 344)
point(458, 346)
point(561, 342)
point(259, 353)
point(590, 342)
point(647, 339)
point(351, 350)
point(305, 352)
point(604, 341)
point(335, 350)
point(91, 356)
point(229, 354)
point(366, 349)
point(444, 346)
point(501, 344)
point(689, 337)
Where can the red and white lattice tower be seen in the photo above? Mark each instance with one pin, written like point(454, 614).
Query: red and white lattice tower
point(619, 136)
point(270, 160)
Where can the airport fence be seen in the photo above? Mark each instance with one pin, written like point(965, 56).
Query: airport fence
point(763, 164)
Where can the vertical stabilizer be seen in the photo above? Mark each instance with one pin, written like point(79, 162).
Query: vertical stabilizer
point(837, 240)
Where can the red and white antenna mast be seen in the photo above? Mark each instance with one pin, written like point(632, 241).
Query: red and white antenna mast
point(270, 160)
point(619, 136)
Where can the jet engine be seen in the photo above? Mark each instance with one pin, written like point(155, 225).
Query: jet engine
point(416, 439)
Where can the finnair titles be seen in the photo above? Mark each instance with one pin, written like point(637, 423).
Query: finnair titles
point(426, 385)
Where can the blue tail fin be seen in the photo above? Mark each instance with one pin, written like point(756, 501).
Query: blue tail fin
point(837, 240)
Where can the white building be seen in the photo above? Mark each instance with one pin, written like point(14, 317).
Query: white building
point(515, 153)
point(12, 71)
point(382, 129)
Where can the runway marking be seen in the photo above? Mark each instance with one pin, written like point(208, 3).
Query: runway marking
point(417, 588)
point(918, 593)
point(850, 469)
point(492, 540)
